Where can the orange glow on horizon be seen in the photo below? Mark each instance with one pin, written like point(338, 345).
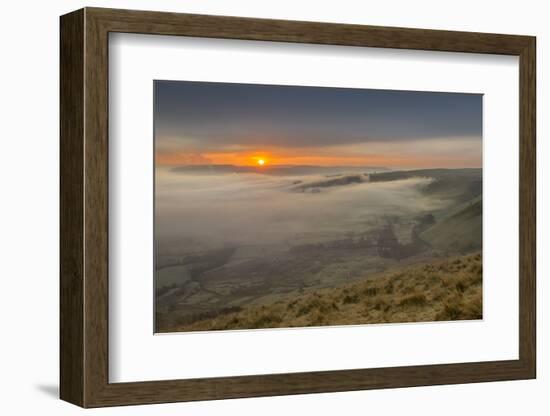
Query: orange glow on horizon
point(280, 157)
point(294, 158)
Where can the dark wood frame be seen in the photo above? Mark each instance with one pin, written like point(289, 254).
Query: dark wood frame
point(84, 207)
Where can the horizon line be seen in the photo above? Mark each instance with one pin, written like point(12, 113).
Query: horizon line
point(267, 166)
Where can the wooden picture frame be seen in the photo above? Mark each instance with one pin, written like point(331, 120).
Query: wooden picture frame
point(84, 207)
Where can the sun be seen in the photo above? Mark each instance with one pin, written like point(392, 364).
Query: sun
point(261, 162)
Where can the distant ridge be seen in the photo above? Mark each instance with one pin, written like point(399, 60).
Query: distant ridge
point(460, 185)
point(276, 169)
point(439, 173)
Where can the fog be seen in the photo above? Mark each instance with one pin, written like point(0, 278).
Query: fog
point(195, 212)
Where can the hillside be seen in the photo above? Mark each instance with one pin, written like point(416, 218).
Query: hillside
point(443, 290)
point(461, 232)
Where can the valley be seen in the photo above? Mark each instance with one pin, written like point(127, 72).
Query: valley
point(290, 236)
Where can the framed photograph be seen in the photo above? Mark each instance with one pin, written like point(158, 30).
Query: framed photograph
point(260, 207)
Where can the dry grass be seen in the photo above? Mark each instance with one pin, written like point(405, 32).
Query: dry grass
point(439, 291)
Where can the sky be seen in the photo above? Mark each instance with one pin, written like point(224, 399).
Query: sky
point(198, 123)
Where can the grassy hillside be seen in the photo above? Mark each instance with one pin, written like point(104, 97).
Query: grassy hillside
point(448, 289)
point(460, 232)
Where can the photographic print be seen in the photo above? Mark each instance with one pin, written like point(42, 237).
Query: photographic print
point(298, 206)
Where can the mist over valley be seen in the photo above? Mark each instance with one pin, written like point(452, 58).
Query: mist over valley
point(230, 238)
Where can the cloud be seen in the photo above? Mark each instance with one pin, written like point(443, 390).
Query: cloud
point(180, 158)
point(219, 114)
